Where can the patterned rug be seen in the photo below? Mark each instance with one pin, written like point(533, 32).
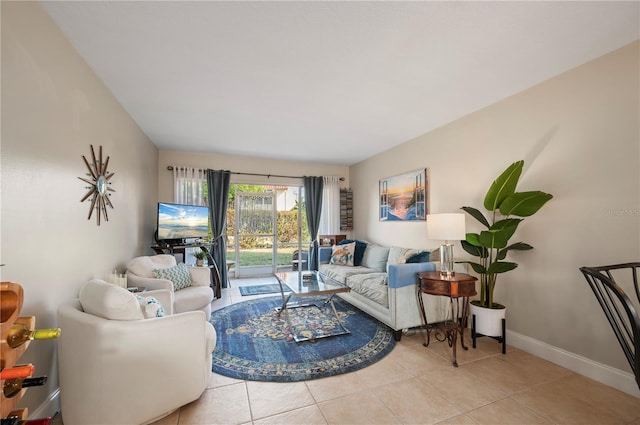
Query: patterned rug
point(253, 343)
point(262, 289)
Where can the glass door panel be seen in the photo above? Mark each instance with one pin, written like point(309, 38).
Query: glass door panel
point(266, 230)
point(255, 227)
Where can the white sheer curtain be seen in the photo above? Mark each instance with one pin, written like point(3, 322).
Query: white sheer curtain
point(330, 218)
point(188, 185)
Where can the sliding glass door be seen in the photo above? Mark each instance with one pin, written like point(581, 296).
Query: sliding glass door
point(266, 230)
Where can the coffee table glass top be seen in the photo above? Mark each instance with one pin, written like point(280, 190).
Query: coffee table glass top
point(306, 283)
point(317, 290)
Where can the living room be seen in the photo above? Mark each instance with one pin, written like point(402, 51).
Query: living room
point(578, 132)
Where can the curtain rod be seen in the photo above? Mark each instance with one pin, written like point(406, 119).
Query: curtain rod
point(170, 168)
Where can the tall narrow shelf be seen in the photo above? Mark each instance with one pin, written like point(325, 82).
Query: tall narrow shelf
point(346, 209)
point(11, 297)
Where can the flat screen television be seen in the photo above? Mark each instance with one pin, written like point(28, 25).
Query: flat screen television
point(177, 222)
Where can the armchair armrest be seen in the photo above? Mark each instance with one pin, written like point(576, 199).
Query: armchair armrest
point(324, 254)
point(200, 276)
point(149, 282)
point(406, 274)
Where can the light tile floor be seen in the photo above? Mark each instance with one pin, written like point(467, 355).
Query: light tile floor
point(417, 385)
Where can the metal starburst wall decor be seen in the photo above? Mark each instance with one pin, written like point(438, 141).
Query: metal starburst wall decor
point(99, 180)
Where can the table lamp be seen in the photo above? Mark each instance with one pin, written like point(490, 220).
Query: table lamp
point(447, 228)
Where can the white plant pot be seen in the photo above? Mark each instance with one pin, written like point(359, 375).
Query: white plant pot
point(488, 320)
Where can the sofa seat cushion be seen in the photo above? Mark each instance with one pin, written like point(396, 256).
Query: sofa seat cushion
point(192, 298)
point(340, 273)
point(371, 285)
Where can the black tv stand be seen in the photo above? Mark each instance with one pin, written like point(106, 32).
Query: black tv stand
point(204, 246)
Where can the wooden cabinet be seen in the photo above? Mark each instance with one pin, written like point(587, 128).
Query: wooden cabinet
point(346, 209)
point(330, 240)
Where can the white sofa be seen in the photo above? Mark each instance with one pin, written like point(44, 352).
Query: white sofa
point(116, 367)
point(198, 296)
point(384, 286)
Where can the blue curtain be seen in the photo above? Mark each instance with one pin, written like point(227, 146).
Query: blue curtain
point(313, 201)
point(218, 191)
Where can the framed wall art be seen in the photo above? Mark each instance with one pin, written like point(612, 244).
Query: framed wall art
point(404, 197)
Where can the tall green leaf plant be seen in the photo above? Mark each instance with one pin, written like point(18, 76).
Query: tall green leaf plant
point(491, 246)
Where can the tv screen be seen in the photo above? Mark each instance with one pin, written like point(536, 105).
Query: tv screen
point(177, 221)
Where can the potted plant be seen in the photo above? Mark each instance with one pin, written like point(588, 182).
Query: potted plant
point(200, 257)
point(491, 246)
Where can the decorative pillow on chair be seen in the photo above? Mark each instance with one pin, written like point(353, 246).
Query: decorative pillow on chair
point(179, 275)
point(150, 307)
point(343, 254)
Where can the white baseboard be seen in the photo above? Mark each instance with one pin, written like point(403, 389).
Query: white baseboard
point(607, 375)
point(49, 407)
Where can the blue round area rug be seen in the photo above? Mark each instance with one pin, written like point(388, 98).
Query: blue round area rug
point(255, 343)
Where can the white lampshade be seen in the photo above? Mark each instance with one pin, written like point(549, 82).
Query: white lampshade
point(446, 227)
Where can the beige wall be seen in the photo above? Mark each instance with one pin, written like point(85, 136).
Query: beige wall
point(242, 165)
point(579, 136)
point(53, 108)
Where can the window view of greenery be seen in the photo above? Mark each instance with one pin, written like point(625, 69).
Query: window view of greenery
point(255, 234)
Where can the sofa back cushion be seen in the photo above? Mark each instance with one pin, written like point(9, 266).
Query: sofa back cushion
point(375, 257)
point(398, 255)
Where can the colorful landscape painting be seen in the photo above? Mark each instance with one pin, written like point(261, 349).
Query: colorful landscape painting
point(404, 197)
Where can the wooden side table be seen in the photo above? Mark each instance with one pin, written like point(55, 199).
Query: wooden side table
point(458, 288)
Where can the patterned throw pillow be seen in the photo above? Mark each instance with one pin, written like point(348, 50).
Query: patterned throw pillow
point(359, 252)
point(419, 257)
point(343, 254)
point(179, 275)
point(150, 307)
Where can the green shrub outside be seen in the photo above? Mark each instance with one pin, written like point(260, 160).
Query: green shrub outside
point(286, 225)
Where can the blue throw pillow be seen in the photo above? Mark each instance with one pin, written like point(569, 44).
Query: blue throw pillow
point(419, 257)
point(360, 247)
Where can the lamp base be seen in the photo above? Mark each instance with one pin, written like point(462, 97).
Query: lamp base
point(446, 261)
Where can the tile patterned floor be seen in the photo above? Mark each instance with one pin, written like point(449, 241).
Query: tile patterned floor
point(417, 385)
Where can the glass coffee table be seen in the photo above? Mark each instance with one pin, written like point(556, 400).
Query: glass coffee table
point(309, 289)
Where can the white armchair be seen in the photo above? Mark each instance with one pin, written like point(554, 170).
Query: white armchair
point(129, 371)
point(198, 296)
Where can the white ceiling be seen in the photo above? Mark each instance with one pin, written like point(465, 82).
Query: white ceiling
point(329, 82)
